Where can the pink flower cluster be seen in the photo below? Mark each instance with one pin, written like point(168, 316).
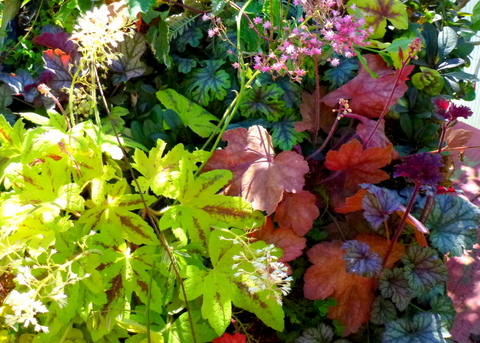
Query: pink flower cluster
point(340, 33)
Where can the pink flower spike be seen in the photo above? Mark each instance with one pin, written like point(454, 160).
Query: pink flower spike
point(334, 62)
point(236, 65)
point(267, 25)
point(257, 20)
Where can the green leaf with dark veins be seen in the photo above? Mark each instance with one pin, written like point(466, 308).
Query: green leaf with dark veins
point(191, 36)
point(208, 82)
point(128, 64)
point(265, 101)
point(194, 116)
point(284, 135)
point(340, 75)
point(453, 224)
point(423, 268)
point(393, 285)
point(184, 65)
point(422, 328)
point(383, 311)
point(5, 96)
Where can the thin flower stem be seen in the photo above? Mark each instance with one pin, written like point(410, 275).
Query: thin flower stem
point(325, 142)
point(403, 221)
point(442, 137)
point(316, 117)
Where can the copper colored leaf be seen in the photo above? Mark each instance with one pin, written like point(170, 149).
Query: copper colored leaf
point(328, 278)
point(259, 176)
point(353, 203)
point(313, 122)
point(298, 211)
point(283, 238)
point(368, 96)
point(361, 166)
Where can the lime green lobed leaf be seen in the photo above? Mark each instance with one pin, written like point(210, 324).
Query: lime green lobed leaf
point(217, 301)
point(377, 12)
point(192, 115)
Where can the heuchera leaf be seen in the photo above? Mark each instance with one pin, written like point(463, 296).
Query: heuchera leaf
point(264, 101)
point(453, 223)
point(328, 278)
point(368, 96)
point(456, 138)
point(208, 82)
point(284, 134)
point(360, 259)
point(423, 327)
point(19, 81)
point(394, 285)
point(378, 204)
point(259, 176)
point(383, 311)
point(128, 64)
point(379, 139)
point(286, 239)
point(298, 211)
point(377, 12)
point(313, 121)
point(58, 40)
point(360, 166)
point(58, 63)
point(341, 74)
point(322, 334)
point(423, 268)
point(194, 116)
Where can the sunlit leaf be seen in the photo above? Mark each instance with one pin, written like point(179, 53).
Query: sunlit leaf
point(298, 211)
point(128, 65)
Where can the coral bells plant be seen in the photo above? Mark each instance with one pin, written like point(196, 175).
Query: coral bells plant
point(226, 171)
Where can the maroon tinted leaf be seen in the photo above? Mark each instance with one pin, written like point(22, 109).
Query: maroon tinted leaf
point(378, 204)
point(60, 40)
point(19, 81)
point(128, 64)
point(423, 168)
point(58, 62)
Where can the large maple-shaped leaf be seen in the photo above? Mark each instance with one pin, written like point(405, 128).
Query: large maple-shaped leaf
point(360, 166)
point(284, 238)
point(298, 211)
point(128, 64)
point(377, 12)
point(259, 176)
point(454, 224)
point(208, 82)
point(194, 116)
point(368, 96)
point(328, 278)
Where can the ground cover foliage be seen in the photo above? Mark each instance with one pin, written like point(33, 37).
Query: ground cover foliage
point(227, 171)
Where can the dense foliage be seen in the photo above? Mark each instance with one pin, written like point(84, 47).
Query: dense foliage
point(229, 171)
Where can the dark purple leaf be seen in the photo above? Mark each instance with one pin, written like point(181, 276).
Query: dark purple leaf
point(19, 83)
point(360, 259)
point(58, 63)
point(60, 40)
point(423, 168)
point(128, 65)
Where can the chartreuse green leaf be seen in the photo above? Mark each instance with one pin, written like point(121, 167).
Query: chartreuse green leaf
point(208, 82)
point(192, 115)
point(453, 224)
point(200, 207)
point(377, 12)
point(181, 330)
point(112, 215)
point(423, 268)
point(423, 327)
point(11, 143)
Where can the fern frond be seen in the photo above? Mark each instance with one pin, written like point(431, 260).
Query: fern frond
point(178, 23)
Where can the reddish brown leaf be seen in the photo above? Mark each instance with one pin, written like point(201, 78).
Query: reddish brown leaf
point(367, 95)
point(298, 211)
point(353, 293)
point(283, 238)
point(379, 139)
point(227, 338)
point(353, 203)
point(361, 166)
point(313, 122)
point(259, 176)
